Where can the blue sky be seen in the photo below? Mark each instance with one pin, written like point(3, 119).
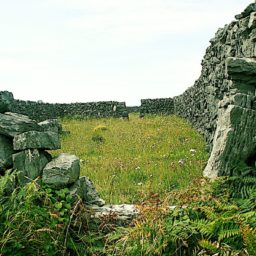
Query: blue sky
point(93, 50)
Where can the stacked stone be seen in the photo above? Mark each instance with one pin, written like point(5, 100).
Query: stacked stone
point(161, 106)
point(221, 104)
point(23, 148)
point(200, 103)
point(41, 111)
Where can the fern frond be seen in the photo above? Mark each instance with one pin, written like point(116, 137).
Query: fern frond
point(225, 234)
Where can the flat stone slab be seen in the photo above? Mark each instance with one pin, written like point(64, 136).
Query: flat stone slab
point(85, 189)
point(12, 124)
point(62, 171)
point(29, 164)
point(51, 125)
point(36, 140)
point(6, 99)
point(6, 151)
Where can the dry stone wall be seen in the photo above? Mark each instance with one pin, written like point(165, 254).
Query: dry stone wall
point(162, 106)
point(42, 111)
point(222, 102)
point(23, 151)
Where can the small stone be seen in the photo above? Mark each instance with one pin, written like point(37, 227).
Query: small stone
point(36, 140)
point(62, 171)
point(6, 151)
point(12, 124)
point(6, 99)
point(30, 164)
point(86, 190)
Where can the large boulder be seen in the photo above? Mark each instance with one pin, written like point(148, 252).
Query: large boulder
point(38, 140)
point(12, 124)
point(30, 164)
point(6, 151)
point(51, 125)
point(85, 189)
point(6, 99)
point(62, 171)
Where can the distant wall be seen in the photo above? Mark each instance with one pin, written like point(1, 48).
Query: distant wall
point(163, 106)
point(42, 111)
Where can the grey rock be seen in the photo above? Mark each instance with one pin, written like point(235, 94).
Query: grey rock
point(12, 124)
point(86, 190)
point(234, 141)
point(247, 11)
point(29, 164)
point(120, 214)
point(6, 151)
point(51, 125)
point(6, 98)
point(36, 140)
point(62, 171)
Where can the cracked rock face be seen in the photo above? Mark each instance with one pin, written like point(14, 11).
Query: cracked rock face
point(36, 140)
point(29, 164)
point(62, 171)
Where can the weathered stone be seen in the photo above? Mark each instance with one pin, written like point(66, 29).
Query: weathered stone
point(36, 140)
point(247, 11)
point(6, 151)
point(120, 214)
point(12, 124)
point(62, 171)
point(234, 142)
point(30, 164)
point(252, 21)
point(6, 98)
point(85, 189)
point(51, 125)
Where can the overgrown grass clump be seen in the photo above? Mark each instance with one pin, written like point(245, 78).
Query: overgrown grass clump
point(129, 159)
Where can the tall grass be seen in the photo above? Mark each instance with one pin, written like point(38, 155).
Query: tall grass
point(129, 159)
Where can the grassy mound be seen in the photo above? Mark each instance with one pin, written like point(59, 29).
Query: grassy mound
point(128, 159)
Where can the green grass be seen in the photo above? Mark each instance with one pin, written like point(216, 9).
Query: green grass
point(127, 160)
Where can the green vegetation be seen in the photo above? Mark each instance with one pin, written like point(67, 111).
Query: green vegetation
point(209, 218)
point(129, 159)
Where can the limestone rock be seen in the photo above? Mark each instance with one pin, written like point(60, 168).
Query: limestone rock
point(51, 125)
point(12, 124)
point(6, 151)
point(6, 99)
point(36, 140)
point(121, 214)
point(30, 164)
point(62, 171)
point(85, 189)
point(234, 141)
point(247, 11)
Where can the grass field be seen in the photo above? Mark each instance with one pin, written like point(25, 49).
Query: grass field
point(127, 160)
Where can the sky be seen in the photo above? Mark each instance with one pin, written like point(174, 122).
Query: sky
point(95, 50)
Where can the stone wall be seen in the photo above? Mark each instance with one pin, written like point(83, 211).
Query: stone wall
point(42, 111)
point(162, 106)
point(221, 104)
